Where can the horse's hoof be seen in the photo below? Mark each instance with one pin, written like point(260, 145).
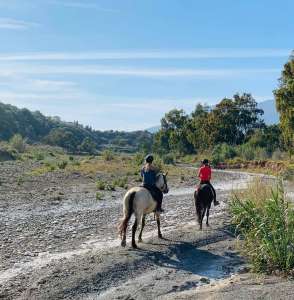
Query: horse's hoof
point(123, 243)
point(160, 236)
point(140, 241)
point(134, 246)
point(207, 225)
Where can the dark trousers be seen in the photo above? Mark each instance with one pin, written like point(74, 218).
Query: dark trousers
point(212, 188)
point(156, 193)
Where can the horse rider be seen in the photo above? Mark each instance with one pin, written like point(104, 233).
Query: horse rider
point(148, 173)
point(204, 175)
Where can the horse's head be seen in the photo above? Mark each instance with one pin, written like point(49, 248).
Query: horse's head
point(161, 182)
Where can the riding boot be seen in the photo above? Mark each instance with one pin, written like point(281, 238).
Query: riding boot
point(158, 206)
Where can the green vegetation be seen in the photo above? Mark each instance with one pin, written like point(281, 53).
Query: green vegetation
point(232, 122)
point(73, 137)
point(107, 155)
point(99, 196)
point(285, 104)
point(264, 219)
point(17, 143)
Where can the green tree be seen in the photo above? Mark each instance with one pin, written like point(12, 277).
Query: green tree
point(284, 96)
point(88, 146)
point(173, 133)
point(235, 119)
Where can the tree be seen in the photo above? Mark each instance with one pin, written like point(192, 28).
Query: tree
point(88, 146)
point(235, 119)
point(174, 131)
point(284, 96)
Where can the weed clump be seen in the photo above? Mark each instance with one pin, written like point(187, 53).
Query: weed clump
point(264, 218)
point(62, 164)
point(107, 155)
point(99, 196)
point(100, 185)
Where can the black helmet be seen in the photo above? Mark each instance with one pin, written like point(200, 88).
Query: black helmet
point(205, 161)
point(149, 158)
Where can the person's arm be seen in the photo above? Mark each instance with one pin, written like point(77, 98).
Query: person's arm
point(142, 170)
point(199, 172)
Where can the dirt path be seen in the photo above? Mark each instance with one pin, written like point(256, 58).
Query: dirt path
point(59, 242)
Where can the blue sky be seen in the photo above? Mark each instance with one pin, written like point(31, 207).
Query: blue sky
point(122, 64)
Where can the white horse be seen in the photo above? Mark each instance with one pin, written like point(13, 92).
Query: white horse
point(138, 200)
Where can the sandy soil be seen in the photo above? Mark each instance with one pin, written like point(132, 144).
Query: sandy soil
point(59, 242)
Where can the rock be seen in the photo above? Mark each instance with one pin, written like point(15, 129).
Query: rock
point(205, 280)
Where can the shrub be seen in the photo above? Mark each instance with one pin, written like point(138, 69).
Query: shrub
point(168, 159)
point(266, 222)
point(99, 196)
point(100, 185)
point(222, 152)
point(107, 155)
point(110, 187)
point(158, 162)
point(62, 164)
point(139, 158)
point(121, 182)
point(246, 151)
point(17, 143)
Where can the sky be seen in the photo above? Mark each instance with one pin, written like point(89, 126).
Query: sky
point(122, 64)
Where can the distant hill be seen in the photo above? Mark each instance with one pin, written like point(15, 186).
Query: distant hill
point(153, 129)
point(36, 127)
point(270, 116)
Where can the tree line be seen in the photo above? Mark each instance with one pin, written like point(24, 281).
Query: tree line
point(72, 136)
point(234, 127)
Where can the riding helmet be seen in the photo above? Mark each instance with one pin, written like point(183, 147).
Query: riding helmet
point(149, 158)
point(205, 161)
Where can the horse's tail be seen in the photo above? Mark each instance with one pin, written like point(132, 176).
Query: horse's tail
point(128, 210)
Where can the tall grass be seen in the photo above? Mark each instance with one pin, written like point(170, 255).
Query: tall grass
point(265, 220)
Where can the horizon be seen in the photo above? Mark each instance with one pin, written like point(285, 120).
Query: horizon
point(119, 66)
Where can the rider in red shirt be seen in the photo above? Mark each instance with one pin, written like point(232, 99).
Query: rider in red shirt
point(204, 175)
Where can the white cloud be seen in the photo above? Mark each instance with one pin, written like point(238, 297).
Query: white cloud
point(96, 70)
point(148, 54)
point(83, 5)
point(13, 24)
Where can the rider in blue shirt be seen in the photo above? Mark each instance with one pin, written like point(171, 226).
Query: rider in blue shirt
point(148, 173)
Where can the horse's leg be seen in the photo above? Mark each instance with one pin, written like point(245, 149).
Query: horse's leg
point(142, 227)
point(134, 229)
point(207, 216)
point(158, 226)
point(124, 231)
point(202, 217)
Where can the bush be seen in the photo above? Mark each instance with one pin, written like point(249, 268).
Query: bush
point(110, 187)
point(121, 182)
point(100, 185)
point(99, 196)
point(17, 143)
point(168, 159)
point(107, 155)
point(139, 158)
point(266, 223)
point(62, 164)
point(246, 151)
point(222, 152)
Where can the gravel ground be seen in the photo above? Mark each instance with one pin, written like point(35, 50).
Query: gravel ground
point(59, 242)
